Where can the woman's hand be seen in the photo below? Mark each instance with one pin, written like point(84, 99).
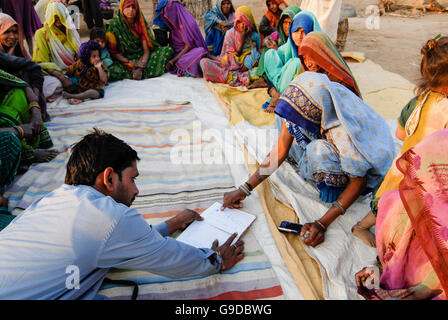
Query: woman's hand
point(312, 234)
point(233, 199)
point(27, 130)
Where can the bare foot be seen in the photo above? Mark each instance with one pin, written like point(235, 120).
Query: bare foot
point(51, 100)
point(66, 95)
point(137, 74)
point(259, 83)
point(75, 101)
point(270, 109)
point(364, 234)
point(41, 155)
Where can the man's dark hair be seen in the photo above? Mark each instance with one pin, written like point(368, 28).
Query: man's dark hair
point(95, 152)
point(97, 33)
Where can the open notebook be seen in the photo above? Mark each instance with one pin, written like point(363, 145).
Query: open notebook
point(217, 224)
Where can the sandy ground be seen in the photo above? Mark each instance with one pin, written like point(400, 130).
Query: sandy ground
point(395, 45)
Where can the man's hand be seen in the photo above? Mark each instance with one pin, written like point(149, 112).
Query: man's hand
point(230, 254)
point(182, 220)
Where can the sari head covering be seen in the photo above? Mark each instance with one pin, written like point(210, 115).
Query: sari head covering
point(289, 12)
point(244, 15)
point(215, 14)
point(141, 26)
point(274, 17)
point(183, 27)
point(412, 224)
point(305, 20)
point(63, 48)
point(323, 108)
point(6, 22)
point(318, 46)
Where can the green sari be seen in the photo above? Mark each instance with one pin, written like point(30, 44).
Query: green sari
point(14, 112)
point(123, 40)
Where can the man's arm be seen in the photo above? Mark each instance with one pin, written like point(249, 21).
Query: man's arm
point(144, 248)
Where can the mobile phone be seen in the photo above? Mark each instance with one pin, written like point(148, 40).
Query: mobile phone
point(286, 226)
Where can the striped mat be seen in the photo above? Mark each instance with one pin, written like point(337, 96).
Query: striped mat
point(158, 133)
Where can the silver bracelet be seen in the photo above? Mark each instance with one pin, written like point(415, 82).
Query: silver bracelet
point(245, 190)
point(337, 204)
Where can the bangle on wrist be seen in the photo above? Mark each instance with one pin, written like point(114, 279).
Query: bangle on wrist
point(20, 131)
point(337, 204)
point(33, 104)
point(245, 190)
point(321, 225)
point(249, 186)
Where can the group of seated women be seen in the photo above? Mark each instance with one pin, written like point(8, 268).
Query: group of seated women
point(336, 141)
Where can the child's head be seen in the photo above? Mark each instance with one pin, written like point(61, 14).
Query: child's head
point(271, 41)
point(434, 65)
point(90, 53)
point(99, 35)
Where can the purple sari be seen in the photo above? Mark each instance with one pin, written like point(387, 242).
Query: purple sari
point(184, 31)
point(23, 12)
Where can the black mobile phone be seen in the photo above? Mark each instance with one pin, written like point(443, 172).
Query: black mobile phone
point(286, 226)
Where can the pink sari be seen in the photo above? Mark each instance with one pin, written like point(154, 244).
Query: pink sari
point(227, 68)
point(412, 225)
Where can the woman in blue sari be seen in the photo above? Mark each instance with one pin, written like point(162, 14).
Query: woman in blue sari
point(216, 23)
point(282, 65)
point(345, 147)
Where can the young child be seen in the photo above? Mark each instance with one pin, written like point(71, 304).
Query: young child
point(99, 35)
point(88, 73)
point(271, 41)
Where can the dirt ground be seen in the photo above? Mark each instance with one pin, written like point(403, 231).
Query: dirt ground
point(395, 45)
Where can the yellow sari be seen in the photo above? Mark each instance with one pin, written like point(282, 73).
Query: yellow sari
point(430, 115)
point(55, 49)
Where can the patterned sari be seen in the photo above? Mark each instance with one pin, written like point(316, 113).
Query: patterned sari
point(124, 39)
point(54, 49)
point(214, 37)
point(412, 225)
point(227, 69)
point(339, 136)
point(14, 112)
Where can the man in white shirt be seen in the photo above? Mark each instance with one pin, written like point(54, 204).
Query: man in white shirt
point(86, 227)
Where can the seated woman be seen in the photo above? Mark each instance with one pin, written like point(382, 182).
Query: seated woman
point(12, 43)
point(24, 13)
point(283, 65)
point(10, 153)
point(271, 18)
point(411, 228)
point(132, 46)
point(56, 47)
point(282, 32)
point(185, 38)
point(239, 51)
point(285, 21)
point(422, 116)
point(341, 158)
point(216, 23)
point(318, 53)
point(19, 110)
